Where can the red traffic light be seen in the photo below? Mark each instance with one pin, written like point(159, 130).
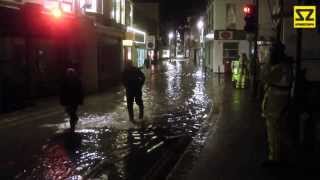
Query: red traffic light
point(247, 10)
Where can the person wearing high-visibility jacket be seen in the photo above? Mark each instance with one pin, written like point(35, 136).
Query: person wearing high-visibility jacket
point(240, 71)
point(278, 81)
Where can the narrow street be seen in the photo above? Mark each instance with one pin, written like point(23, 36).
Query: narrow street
point(37, 145)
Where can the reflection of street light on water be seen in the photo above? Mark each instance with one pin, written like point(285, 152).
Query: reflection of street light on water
point(170, 37)
point(200, 26)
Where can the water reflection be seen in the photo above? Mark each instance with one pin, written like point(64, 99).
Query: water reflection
point(176, 104)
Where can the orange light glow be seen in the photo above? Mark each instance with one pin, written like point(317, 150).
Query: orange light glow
point(57, 13)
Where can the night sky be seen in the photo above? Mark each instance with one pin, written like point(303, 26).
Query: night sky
point(175, 11)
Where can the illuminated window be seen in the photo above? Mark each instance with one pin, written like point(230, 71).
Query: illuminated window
point(129, 53)
point(118, 10)
point(112, 14)
point(90, 6)
point(51, 4)
point(66, 5)
point(131, 14)
point(123, 11)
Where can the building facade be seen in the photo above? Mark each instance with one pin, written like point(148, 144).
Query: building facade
point(85, 35)
point(147, 17)
point(224, 37)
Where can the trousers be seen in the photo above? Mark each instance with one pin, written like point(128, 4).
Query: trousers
point(135, 97)
point(71, 110)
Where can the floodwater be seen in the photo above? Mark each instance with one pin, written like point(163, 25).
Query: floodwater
point(106, 145)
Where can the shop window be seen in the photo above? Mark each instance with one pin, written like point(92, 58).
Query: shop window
point(129, 53)
point(230, 51)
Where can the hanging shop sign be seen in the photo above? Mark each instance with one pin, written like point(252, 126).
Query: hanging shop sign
point(151, 41)
point(226, 35)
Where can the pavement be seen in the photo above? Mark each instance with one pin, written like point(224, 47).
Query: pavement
point(236, 146)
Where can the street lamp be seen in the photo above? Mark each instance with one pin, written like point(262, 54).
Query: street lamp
point(170, 37)
point(200, 24)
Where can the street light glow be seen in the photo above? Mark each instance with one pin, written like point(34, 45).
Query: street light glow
point(200, 24)
point(210, 36)
point(170, 35)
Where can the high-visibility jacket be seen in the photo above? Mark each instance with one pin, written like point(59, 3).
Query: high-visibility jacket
point(278, 81)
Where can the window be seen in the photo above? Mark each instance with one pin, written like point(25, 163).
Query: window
point(118, 12)
point(230, 51)
point(231, 16)
point(66, 5)
point(123, 12)
point(92, 6)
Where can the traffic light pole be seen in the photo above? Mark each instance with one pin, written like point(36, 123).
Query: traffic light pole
point(279, 26)
point(298, 58)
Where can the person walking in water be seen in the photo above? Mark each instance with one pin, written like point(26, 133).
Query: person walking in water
point(71, 96)
point(133, 80)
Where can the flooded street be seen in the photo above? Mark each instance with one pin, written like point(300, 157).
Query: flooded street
point(37, 144)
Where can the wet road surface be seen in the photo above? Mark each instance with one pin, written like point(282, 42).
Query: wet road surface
point(36, 143)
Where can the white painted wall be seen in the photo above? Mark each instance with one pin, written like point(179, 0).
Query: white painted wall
point(220, 24)
point(220, 13)
point(218, 53)
point(265, 21)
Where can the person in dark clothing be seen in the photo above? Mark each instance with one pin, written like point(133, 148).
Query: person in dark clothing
point(71, 95)
point(133, 80)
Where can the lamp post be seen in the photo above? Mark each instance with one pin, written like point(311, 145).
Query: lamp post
point(170, 37)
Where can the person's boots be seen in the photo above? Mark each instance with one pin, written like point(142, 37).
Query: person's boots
point(73, 122)
point(72, 125)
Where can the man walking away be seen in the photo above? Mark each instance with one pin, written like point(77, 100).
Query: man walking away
point(71, 95)
point(133, 80)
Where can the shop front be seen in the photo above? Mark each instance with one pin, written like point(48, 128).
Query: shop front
point(134, 47)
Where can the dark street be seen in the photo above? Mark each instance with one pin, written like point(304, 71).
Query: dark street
point(177, 105)
point(159, 89)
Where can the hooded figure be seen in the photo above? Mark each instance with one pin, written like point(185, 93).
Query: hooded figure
point(71, 95)
point(133, 80)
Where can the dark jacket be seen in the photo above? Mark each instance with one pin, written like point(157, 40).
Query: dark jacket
point(71, 92)
point(133, 79)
